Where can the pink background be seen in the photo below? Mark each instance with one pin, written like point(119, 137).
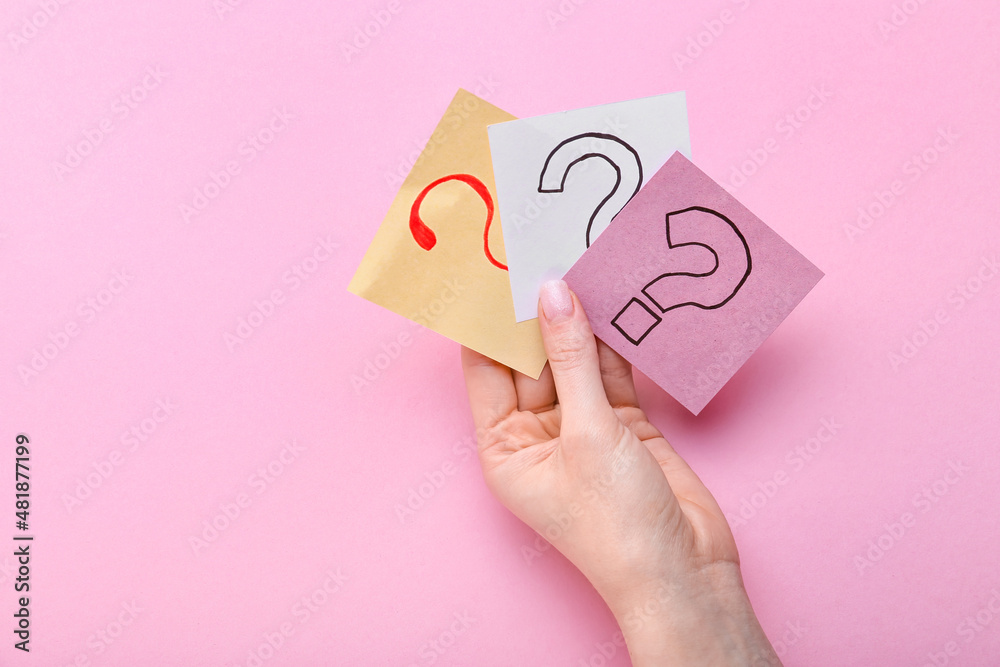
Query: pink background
point(362, 447)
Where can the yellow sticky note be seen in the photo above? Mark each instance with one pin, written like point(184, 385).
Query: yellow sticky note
point(438, 257)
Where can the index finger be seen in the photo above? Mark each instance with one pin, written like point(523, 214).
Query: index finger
point(491, 389)
point(616, 373)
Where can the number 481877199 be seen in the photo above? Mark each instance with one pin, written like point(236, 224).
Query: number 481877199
point(23, 487)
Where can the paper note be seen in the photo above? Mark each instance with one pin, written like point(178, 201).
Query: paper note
point(687, 283)
point(438, 257)
point(562, 177)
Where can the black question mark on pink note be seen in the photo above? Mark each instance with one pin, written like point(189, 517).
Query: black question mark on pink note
point(709, 290)
point(588, 145)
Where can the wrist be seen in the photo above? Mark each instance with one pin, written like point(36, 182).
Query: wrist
point(704, 618)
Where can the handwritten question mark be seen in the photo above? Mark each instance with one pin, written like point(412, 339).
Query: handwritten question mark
point(610, 148)
point(693, 226)
point(426, 238)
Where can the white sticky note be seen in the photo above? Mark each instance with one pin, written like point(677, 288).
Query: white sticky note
point(562, 177)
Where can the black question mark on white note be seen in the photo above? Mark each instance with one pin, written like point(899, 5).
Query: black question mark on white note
point(692, 226)
point(588, 145)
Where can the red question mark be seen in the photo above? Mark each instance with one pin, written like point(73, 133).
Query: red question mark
point(426, 238)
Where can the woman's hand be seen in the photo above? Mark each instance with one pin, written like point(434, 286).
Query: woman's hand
point(574, 457)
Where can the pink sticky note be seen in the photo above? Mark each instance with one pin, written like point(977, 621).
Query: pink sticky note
point(686, 283)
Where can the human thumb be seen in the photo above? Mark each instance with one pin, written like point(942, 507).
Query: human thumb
point(572, 351)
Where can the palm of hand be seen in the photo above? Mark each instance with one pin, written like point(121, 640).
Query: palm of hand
point(575, 458)
point(604, 487)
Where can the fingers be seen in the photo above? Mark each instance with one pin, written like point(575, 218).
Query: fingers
point(572, 351)
point(491, 389)
point(616, 374)
point(535, 395)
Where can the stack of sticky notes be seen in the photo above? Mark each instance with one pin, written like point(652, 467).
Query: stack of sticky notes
point(673, 272)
